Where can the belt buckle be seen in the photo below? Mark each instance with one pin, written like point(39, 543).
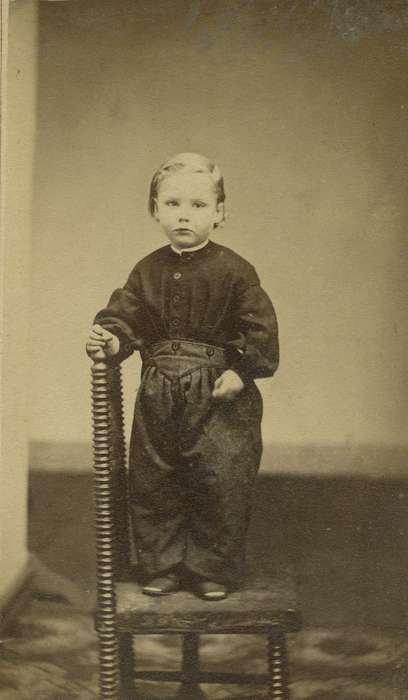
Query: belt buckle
point(210, 352)
point(175, 346)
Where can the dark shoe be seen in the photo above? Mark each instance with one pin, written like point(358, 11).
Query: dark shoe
point(162, 585)
point(209, 590)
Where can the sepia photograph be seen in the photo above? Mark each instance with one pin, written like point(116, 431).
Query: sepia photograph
point(204, 341)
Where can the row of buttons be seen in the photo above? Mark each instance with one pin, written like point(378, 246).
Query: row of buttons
point(175, 322)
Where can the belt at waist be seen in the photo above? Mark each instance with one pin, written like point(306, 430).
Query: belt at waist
point(180, 356)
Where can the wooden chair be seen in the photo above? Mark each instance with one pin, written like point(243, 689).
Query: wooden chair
point(266, 605)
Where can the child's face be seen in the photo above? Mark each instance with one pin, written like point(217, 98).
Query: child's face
point(187, 208)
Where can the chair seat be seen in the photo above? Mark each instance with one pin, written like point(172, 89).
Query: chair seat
point(266, 599)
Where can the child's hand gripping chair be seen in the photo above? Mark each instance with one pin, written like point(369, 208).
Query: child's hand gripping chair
point(267, 605)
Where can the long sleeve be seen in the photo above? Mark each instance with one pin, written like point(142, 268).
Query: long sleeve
point(256, 340)
point(211, 295)
point(120, 318)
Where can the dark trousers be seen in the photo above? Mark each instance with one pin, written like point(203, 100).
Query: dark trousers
point(193, 463)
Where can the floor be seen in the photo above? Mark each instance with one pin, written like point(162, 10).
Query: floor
point(346, 538)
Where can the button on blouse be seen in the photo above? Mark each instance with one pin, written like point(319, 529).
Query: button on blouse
point(219, 303)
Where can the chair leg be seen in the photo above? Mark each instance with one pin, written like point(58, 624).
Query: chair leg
point(190, 689)
point(108, 665)
point(127, 666)
point(278, 666)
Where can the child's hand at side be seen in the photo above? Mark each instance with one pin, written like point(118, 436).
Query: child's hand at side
point(228, 386)
point(101, 343)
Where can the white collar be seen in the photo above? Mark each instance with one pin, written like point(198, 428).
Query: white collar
point(190, 250)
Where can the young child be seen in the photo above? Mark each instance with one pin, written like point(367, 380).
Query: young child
point(205, 329)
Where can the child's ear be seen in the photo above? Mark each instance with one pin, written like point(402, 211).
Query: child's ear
point(155, 211)
point(220, 215)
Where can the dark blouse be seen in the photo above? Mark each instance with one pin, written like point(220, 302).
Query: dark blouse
point(211, 295)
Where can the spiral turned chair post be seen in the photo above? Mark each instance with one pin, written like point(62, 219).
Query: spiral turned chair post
point(119, 473)
point(106, 602)
point(278, 666)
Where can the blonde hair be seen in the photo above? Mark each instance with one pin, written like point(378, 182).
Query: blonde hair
point(189, 163)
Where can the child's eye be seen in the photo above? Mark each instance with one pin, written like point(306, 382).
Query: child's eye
point(172, 203)
point(199, 204)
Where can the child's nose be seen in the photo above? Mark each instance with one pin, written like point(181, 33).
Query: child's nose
point(183, 216)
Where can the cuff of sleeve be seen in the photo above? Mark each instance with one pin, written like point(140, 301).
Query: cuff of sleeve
point(126, 348)
point(243, 375)
point(248, 371)
point(242, 371)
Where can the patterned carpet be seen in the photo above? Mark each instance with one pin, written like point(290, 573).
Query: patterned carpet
point(51, 655)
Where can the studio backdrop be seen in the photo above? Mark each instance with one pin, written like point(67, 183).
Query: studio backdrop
point(305, 109)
